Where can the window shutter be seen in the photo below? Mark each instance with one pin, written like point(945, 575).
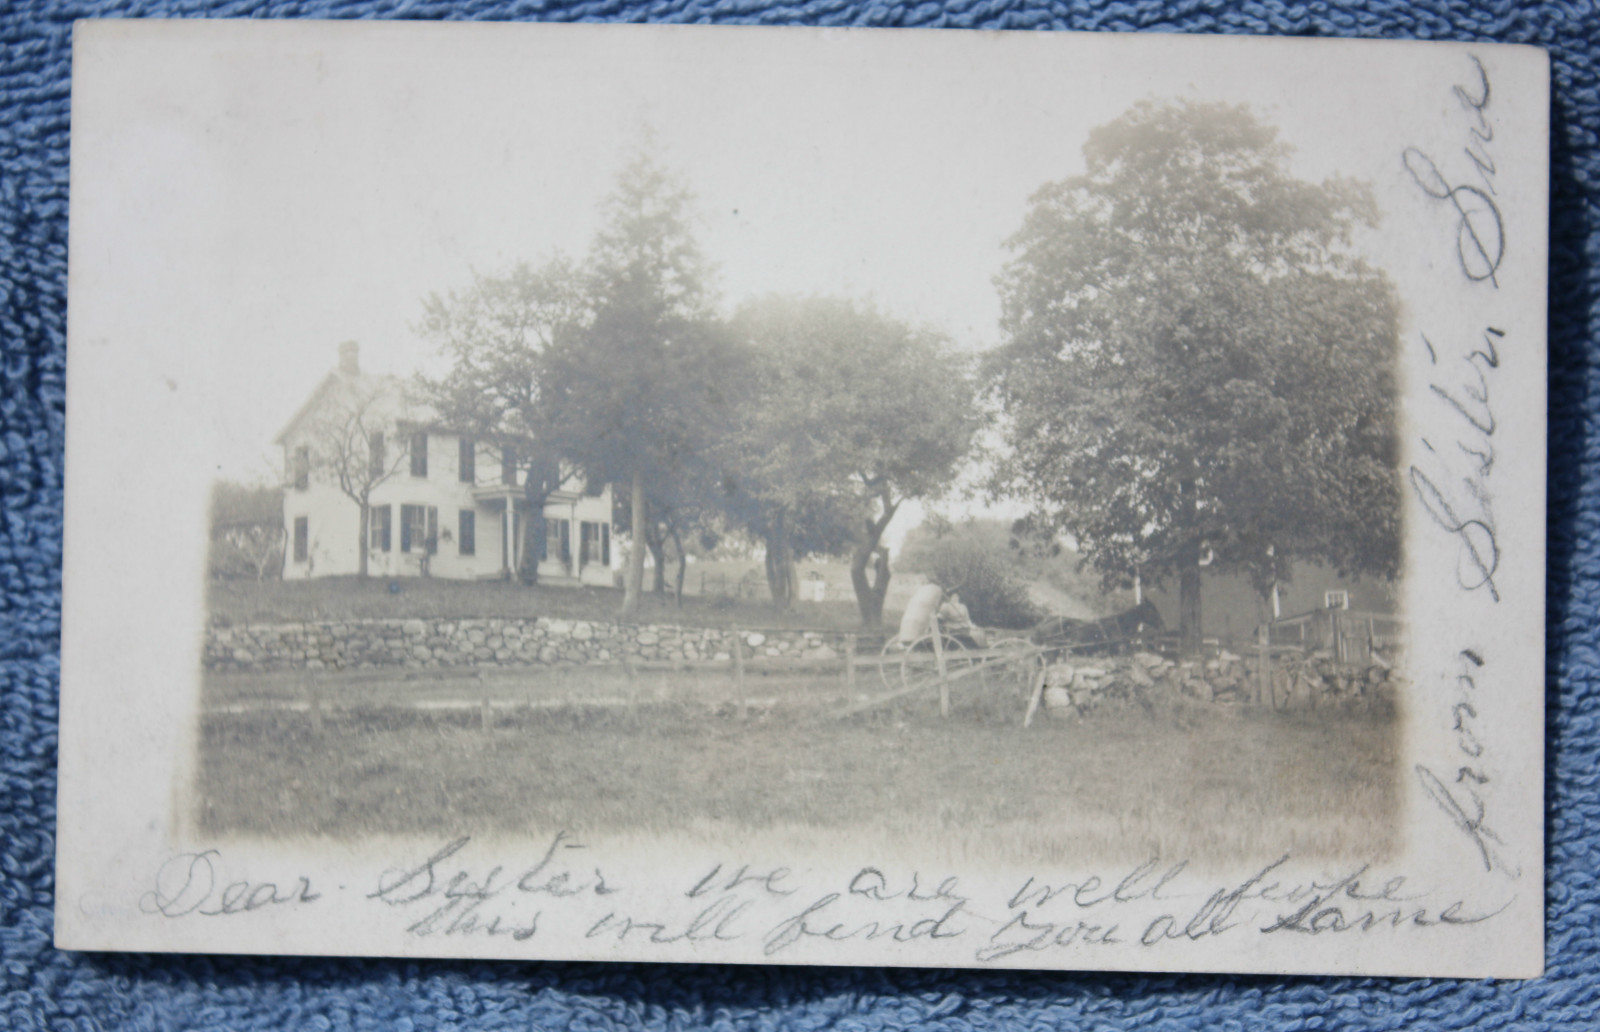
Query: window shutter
point(379, 460)
point(467, 539)
point(542, 532)
point(384, 519)
point(566, 541)
point(508, 464)
point(405, 527)
point(605, 544)
point(302, 538)
point(432, 533)
point(468, 461)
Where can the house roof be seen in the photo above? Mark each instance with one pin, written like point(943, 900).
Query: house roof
point(339, 384)
point(409, 407)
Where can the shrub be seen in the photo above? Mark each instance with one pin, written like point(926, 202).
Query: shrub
point(984, 571)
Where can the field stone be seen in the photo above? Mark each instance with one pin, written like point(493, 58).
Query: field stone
point(414, 628)
point(648, 638)
point(548, 655)
point(560, 628)
point(582, 632)
point(755, 639)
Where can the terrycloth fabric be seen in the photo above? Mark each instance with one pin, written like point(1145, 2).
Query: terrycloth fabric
point(43, 988)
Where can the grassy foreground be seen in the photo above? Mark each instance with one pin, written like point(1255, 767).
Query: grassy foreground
point(1203, 781)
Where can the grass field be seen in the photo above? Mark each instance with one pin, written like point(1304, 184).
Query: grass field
point(677, 753)
point(349, 598)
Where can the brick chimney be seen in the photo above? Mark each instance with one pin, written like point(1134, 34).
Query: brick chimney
point(350, 358)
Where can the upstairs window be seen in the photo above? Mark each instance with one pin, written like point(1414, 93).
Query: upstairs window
point(419, 454)
point(301, 468)
point(469, 461)
point(378, 460)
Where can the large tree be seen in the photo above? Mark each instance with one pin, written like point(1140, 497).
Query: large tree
point(849, 414)
point(633, 396)
point(1197, 364)
point(352, 441)
point(496, 335)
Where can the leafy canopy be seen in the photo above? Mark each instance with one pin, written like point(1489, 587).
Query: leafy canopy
point(848, 412)
point(1194, 350)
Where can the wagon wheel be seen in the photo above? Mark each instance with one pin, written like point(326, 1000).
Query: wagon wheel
point(1019, 656)
point(902, 665)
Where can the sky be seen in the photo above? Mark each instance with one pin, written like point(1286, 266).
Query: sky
point(263, 193)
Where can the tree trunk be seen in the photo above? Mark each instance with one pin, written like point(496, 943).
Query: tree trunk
point(870, 593)
point(532, 526)
point(361, 552)
point(634, 583)
point(653, 540)
point(683, 569)
point(780, 566)
point(1188, 571)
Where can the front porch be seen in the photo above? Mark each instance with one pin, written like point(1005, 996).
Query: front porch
point(569, 541)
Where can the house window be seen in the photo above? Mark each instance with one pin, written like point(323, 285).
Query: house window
point(419, 529)
point(595, 545)
point(561, 539)
point(377, 459)
point(378, 522)
point(508, 465)
point(302, 538)
point(467, 532)
point(302, 468)
point(468, 465)
point(419, 454)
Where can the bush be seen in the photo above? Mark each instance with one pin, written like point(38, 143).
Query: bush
point(984, 571)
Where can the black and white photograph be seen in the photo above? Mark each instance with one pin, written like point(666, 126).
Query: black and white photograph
point(909, 498)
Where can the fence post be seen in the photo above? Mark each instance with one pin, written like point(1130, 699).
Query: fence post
point(850, 660)
point(938, 657)
point(485, 712)
point(1264, 666)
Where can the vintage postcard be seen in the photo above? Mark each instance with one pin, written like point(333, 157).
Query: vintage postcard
point(805, 497)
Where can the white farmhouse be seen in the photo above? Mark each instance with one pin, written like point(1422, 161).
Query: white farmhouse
point(440, 503)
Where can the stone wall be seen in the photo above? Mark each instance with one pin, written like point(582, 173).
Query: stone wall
point(356, 644)
point(1085, 683)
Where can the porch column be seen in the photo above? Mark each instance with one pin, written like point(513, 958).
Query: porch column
point(505, 540)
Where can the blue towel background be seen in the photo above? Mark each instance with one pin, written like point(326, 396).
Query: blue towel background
point(43, 988)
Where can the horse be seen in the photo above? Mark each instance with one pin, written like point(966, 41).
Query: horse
point(1098, 636)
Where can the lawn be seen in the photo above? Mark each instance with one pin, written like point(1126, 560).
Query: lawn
point(235, 602)
point(1205, 781)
